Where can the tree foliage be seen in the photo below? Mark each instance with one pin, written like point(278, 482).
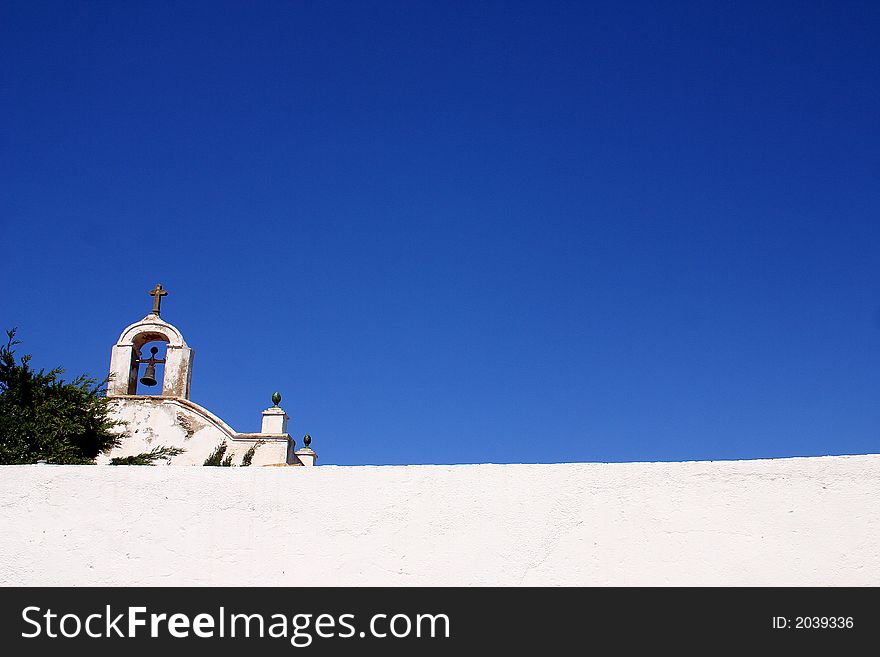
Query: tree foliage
point(44, 417)
point(217, 457)
point(148, 458)
point(248, 457)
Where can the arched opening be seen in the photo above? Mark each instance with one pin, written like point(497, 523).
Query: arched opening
point(131, 356)
point(151, 368)
point(148, 365)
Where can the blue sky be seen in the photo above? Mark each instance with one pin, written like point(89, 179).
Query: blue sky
point(458, 232)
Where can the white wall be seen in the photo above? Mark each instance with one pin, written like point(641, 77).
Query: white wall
point(152, 422)
point(805, 521)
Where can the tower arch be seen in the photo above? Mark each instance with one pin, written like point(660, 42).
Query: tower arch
point(126, 356)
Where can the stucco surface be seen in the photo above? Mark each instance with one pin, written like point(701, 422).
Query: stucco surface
point(804, 521)
point(153, 422)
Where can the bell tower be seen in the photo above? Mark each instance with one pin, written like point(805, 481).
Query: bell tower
point(126, 357)
point(169, 419)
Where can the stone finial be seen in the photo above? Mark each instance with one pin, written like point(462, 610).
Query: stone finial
point(276, 399)
point(306, 455)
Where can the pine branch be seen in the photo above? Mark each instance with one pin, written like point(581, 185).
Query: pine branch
point(216, 458)
point(248, 457)
point(148, 458)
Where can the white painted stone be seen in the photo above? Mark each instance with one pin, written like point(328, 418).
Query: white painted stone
point(798, 522)
point(171, 422)
point(274, 421)
point(306, 456)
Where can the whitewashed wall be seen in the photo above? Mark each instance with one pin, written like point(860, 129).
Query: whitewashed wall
point(152, 422)
point(805, 521)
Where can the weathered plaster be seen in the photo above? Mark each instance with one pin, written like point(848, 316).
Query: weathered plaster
point(803, 521)
point(127, 350)
point(158, 421)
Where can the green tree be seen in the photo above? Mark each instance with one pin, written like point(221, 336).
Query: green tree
point(44, 417)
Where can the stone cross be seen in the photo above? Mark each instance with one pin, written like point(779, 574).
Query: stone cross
point(157, 295)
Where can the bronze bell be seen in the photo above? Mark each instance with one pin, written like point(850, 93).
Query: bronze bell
point(149, 377)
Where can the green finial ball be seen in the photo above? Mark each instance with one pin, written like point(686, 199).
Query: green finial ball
point(276, 398)
point(307, 440)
